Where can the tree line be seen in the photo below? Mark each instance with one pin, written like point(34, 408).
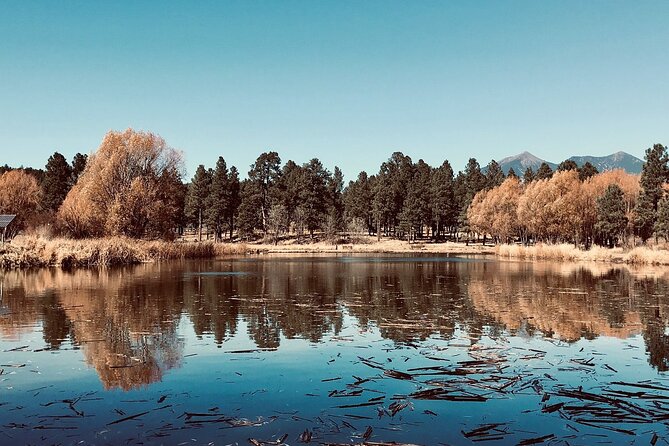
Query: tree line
point(133, 185)
point(606, 208)
point(34, 195)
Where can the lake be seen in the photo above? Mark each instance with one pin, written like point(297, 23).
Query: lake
point(335, 350)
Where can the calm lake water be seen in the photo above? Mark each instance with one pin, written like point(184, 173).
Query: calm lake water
point(334, 350)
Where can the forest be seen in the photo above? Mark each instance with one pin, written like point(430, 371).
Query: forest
point(133, 185)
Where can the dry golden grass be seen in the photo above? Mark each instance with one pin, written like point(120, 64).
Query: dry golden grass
point(647, 256)
point(566, 252)
point(33, 251)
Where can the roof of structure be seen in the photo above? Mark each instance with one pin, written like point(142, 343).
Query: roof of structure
point(5, 220)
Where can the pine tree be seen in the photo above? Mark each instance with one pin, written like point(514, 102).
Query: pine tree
point(335, 217)
point(512, 173)
point(494, 175)
point(545, 172)
point(416, 210)
point(288, 187)
point(234, 199)
point(56, 183)
point(358, 200)
point(474, 179)
point(382, 204)
point(655, 172)
point(644, 216)
point(587, 171)
point(567, 165)
point(313, 194)
point(662, 223)
point(444, 206)
point(78, 165)
point(249, 214)
point(611, 218)
point(196, 201)
point(391, 189)
point(264, 175)
point(410, 216)
point(528, 176)
point(218, 200)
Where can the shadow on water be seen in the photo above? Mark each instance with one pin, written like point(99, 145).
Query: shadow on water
point(201, 345)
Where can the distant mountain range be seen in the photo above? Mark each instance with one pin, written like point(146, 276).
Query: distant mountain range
point(618, 160)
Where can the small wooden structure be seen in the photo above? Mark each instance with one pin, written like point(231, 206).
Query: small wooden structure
point(5, 221)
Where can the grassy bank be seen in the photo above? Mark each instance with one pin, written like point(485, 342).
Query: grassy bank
point(565, 252)
point(26, 252)
point(35, 251)
point(370, 245)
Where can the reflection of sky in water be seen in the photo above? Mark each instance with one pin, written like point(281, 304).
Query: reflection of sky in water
point(192, 322)
point(216, 273)
point(412, 259)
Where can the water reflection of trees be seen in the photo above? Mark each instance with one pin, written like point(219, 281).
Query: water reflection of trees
point(123, 320)
point(126, 320)
point(575, 304)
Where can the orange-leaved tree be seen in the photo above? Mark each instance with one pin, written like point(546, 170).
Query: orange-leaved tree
point(20, 195)
point(131, 186)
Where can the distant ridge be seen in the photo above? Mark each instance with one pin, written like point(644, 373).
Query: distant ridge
point(522, 161)
point(618, 160)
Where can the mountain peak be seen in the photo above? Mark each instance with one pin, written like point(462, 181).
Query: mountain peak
point(522, 161)
point(619, 160)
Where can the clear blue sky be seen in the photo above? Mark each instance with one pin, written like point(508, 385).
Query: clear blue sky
point(346, 81)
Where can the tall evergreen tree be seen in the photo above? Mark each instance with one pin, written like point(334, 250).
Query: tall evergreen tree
point(391, 189)
point(218, 199)
point(383, 202)
point(494, 175)
point(78, 165)
point(662, 223)
point(264, 176)
point(512, 173)
point(644, 216)
point(234, 199)
point(587, 171)
point(289, 187)
point(196, 200)
point(249, 213)
point(358, 200)
point(528, 176)
point(335, 186)
point(545, 172)
point(611, 218)
point(56, 183)
point(416, 210)
point(313, 194)
point(475, 181)
point(567, 165)
point(444, 206)
point(462, 203)
point(654, 173)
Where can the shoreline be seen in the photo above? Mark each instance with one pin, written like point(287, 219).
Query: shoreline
point(35, 252)
point(382, 247)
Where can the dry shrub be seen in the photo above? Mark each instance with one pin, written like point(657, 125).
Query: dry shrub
point(32, 251)
point(647, 256)
point(231, 249)
point(564, 252)
point(361, 240)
